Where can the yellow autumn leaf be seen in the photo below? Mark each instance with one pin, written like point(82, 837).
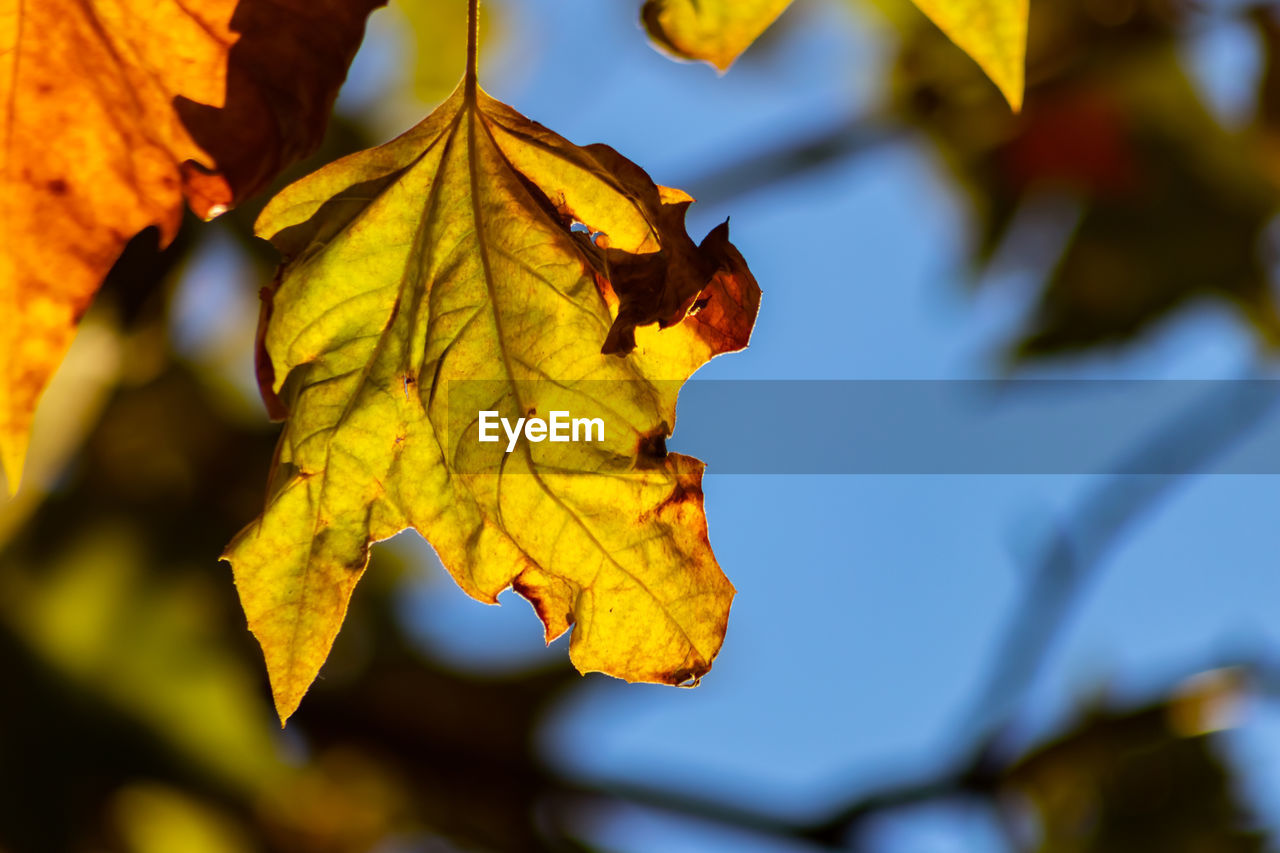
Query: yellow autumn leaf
point(423, 276)
point(993, 32)
point(715, 31)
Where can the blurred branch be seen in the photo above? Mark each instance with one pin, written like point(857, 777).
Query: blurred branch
point(823, 835)
point(1191, 441)
point(797, 156)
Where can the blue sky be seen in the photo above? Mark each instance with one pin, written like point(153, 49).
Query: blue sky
point(867, 607)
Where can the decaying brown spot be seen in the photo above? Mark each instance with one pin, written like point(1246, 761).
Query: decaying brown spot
point(651, 449)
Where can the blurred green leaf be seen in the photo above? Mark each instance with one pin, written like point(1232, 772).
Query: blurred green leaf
point(159, 819)
point(148, 646)
point(1137, 782)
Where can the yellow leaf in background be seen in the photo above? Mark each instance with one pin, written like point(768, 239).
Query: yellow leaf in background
point(144, 639)
point(158, 819)
point(715, 31)
point(439, 44)
point(450, 255)
point(993, 32)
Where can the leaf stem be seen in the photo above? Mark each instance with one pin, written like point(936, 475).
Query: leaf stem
point(473, 26)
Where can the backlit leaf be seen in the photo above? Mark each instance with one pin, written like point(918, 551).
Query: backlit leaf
point(993, 32)
point(448, 255)
point(116, 111)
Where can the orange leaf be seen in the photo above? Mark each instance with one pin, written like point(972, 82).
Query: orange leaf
point(113, 112)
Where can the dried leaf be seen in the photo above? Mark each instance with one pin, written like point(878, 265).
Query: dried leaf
point(450, 255)
point(117, 111)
